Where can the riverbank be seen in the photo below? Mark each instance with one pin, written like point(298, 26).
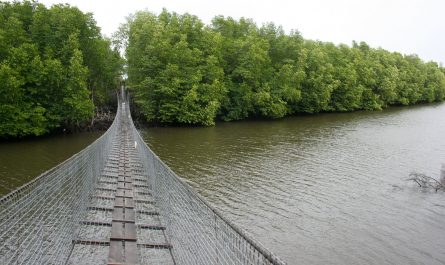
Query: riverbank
point(101, 121)
point(141, 122)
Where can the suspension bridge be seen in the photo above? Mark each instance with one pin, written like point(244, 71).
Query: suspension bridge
point(117, 203)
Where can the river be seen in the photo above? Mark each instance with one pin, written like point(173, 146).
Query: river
point(22, 161)
point(323, 189)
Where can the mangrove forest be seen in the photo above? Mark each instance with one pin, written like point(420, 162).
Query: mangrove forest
point(185, 72)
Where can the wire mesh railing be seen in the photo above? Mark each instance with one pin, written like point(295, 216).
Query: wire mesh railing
point(38, 221)
point(197, 231)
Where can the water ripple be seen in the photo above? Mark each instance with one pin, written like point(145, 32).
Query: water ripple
point(321, 189)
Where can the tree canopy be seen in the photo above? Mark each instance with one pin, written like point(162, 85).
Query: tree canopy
point(55, 67)
point(183, 71)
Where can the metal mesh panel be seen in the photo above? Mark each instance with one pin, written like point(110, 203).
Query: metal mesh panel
point(198, 232)
point(38, 221)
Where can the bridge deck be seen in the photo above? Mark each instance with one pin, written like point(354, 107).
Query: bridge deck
point(123, 225)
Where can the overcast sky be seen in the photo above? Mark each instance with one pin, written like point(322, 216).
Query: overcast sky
point(407, 26)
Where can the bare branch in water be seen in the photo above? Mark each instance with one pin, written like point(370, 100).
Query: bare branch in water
point(425, 181)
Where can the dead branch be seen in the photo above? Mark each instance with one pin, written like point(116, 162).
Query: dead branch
point(425, 181)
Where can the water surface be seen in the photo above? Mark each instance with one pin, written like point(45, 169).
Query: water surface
point(22, 161)
point(323, 189)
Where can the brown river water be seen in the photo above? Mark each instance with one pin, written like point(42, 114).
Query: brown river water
point(321, 189)
point(22, 161)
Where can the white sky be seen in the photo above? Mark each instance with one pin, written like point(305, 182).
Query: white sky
point(407, 26)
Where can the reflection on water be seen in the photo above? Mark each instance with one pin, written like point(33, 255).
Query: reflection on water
point(22, 161)
point(323, 189)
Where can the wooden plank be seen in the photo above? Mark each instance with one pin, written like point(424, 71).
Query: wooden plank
point(141, 186)
point(106, 181)
point(129, 203)
point(98, 223)
point(130, 231)
point(125, 181)
point(116, 254)
point(120, 193)
point(144, 193)
point(91, 242)
point(151, 227)
point(122, 238)
point(118, 214)
point(131, 253)
point(121, 185)
point(155, 245)
point(123, 206)
point(128, 193)
point(128, 179)
point(129, 214)
point(123, 196)
point(117, 230)
point(119, 202)
point(99, 208)
point(147, 212)
point(124, 220)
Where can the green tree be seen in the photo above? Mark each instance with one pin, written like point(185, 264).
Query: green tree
point(185, 72)
point(179, 79)
point(53, 62)
point(319, 82)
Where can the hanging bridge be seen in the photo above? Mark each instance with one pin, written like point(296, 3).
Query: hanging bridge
point(117, 203)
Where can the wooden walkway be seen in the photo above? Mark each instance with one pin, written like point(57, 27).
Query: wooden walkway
point(122, 219)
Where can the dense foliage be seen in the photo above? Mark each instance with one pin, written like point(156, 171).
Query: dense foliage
point(54, 68)
point(185, 72)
